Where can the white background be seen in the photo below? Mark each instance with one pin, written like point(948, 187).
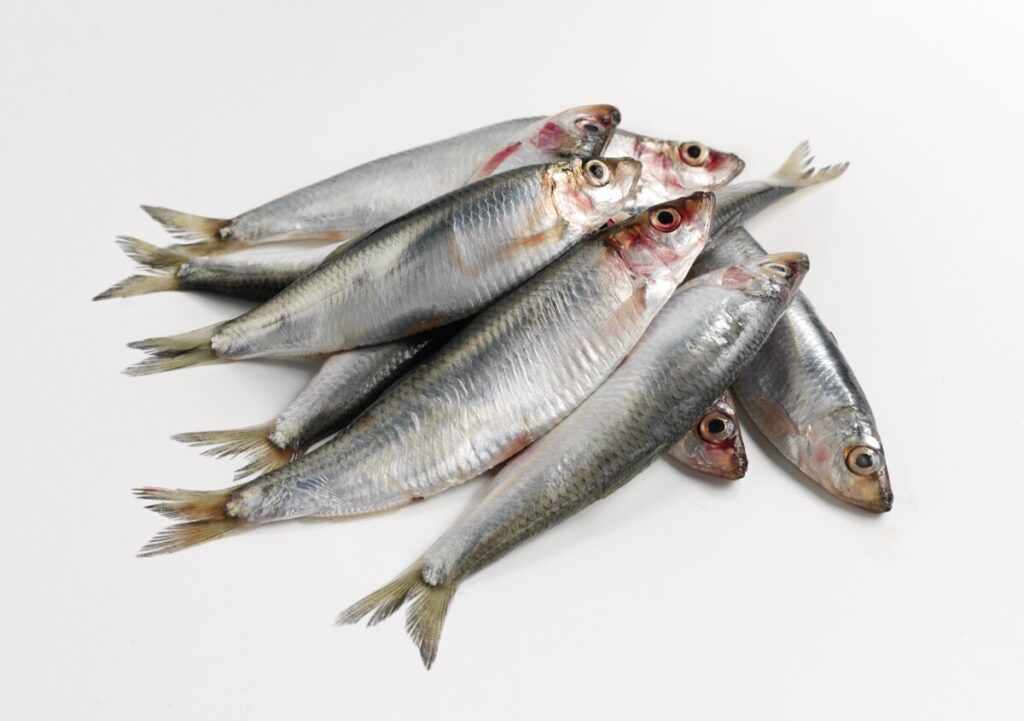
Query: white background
point(674, 598)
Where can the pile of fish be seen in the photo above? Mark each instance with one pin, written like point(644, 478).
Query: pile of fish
point(554, 300)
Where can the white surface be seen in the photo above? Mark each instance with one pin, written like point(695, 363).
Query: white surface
point(674, 598)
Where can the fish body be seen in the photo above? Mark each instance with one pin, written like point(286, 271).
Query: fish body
point(516, 370)
point(714, 445)
point(802, 394)
point(709, 330)
point(367, 196)
point(438, 264)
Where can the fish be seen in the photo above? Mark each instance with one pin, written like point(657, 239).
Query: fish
point(350, 203)
point(515, 371)
point(249, 276)
point(714, 445)
point(344, 386)
point(803, 396)
point(690, 354)
point(438, 264)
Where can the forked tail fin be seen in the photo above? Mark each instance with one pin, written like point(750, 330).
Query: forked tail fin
point(203, 514)
point(176, 351)
point(164, 261)
point(739, 202)
point(203, 236)
point(428, 606)
point(799, 172)
point(253, 442)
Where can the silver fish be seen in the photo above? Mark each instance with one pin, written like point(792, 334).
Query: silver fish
point(715, 444)
point(367, 196)
point(251, 276)
point(344, 386)
point(515, 371)
point(803, 396)
point(438, 264)
point(692, 351)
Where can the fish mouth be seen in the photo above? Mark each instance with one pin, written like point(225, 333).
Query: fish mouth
point(698, 207)
point(626, 172)
point(725, 166)
point(878, 499)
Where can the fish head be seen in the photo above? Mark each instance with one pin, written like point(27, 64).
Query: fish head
point(677, 230)
point(715, 444)
point(772, 276)
point(696, 165)
point(581, 132)
point(673, 168)
point(841, 452)
point(589, 192)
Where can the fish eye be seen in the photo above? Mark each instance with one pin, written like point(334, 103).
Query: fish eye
point(665, 220)
point(694, 153)
point(588, 126)
point(779, 269)
point(864, 461)
point(716, 427)
point(597, 172)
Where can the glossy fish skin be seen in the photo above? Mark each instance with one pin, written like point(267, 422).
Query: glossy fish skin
point(344, 386)
point(715, 444)
point(438, 264)
point(369, 195)
point(695, 347)
point(803, 396)
point(517, 369)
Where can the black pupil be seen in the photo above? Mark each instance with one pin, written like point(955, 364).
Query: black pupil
point(665, 217)
point(693, 151)
point(864, 460)
point(591, 128)
point(716, 426)
point(597, 171)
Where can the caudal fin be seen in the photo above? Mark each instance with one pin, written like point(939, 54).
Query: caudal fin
point(203, 235)
point(799, 172)
point(176, 351)
point(204, 515)
point(253, 442)
point(165, 261)
point(428, 606)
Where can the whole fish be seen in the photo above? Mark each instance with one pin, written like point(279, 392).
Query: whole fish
point(669, 169)
point(348, 204)
point(515, 371)
point(803, 396)
point(251, 276)
point(344, 386)
point(439, 263)
point(695, 347)
point(714, 445)
point(347, 383)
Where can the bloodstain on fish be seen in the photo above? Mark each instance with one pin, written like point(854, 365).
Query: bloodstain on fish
point(497, 159)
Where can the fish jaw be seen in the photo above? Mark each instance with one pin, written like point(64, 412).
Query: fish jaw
point(828, 452)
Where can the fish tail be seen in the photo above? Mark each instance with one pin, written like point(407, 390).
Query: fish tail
point(203, 236)
point(799, 172)
point(176, 351)
point(253, 442)
point(139, 285)
point(165, 261)
point(203, 514)
point(428, 606)
point(151, 256)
